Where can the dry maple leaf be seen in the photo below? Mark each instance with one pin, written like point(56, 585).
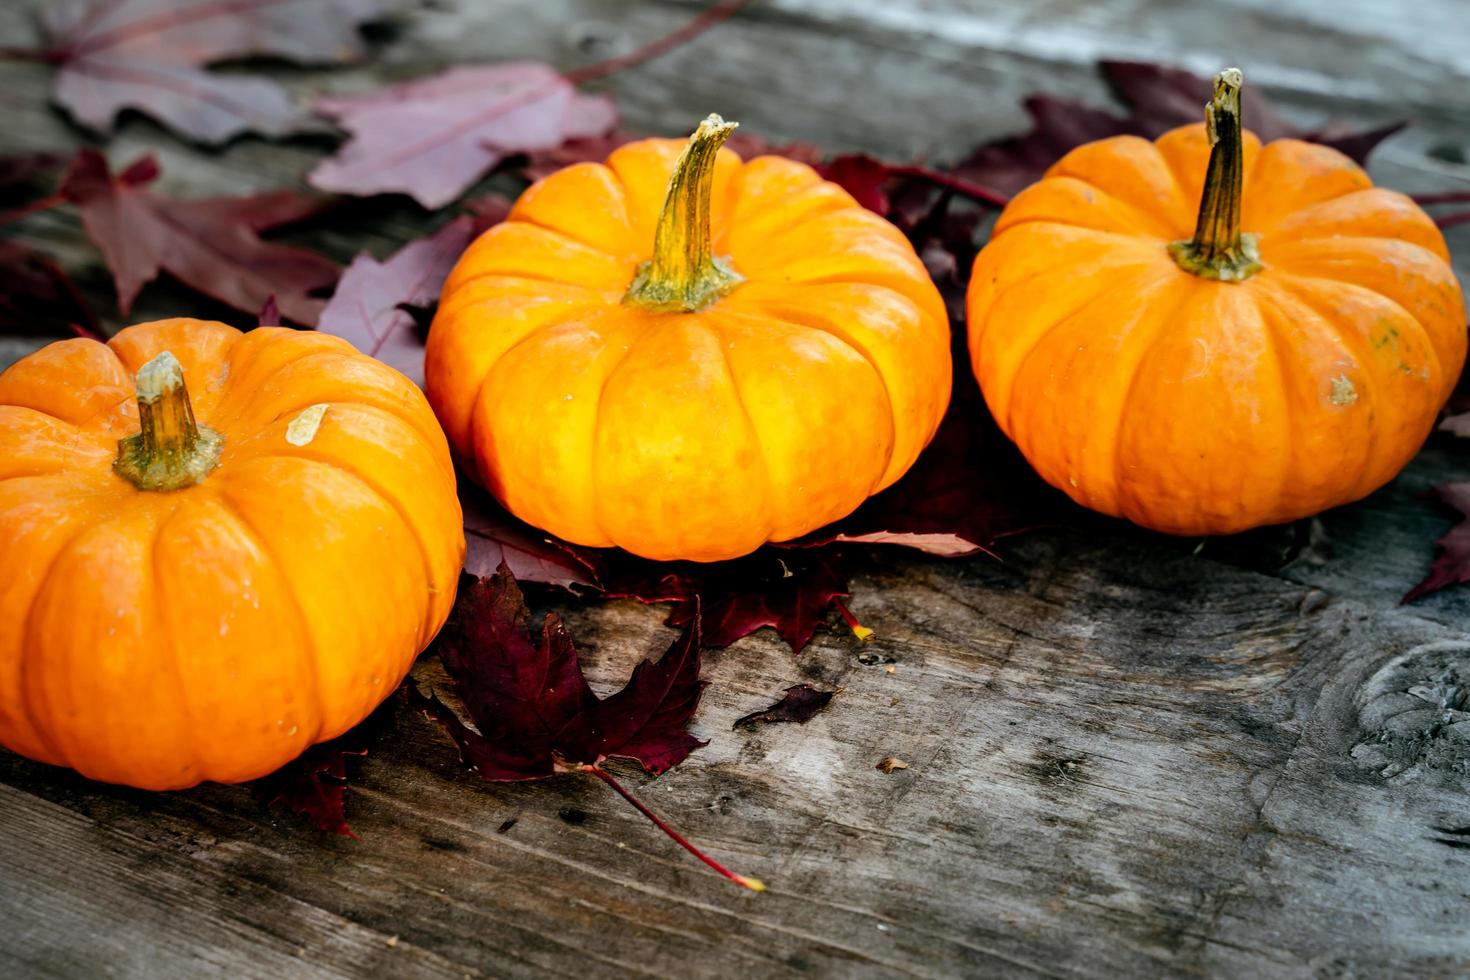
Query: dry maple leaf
point(799, 704)
point(1452, 563)
point(790, 591)
point(150, 55)
point(39, 299)
point(431, 138)
point(367, 306)
point(1159, 98)
point(493, 538)
point(535, 713)
point(212, 245)
point(314, 785)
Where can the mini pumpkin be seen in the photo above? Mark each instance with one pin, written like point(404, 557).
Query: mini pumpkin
point(200, 582)
point(687, 356)
point(1288, 356)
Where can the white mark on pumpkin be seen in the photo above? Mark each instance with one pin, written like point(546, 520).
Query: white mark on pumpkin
point(1343, 392)
point(303, 427)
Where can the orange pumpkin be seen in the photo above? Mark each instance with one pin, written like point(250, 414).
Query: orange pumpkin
point(1289, 356)
point(201, 593)
point(688, 356)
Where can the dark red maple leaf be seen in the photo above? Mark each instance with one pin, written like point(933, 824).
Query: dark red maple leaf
point(494, 538)
point(212, 245)
point(368, 305)
point(791, 591)
point(535, 715)
point(431, 138)
point(799, 704)
point(1452, 563)
point(1159, 98)
point(37, 298)
point(150, 55)
point(314, 784)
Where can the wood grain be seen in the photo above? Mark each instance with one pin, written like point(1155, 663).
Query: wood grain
point(1128, 755)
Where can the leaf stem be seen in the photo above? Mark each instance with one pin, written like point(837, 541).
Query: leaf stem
point(28, 54)
point(858, 629)
point(754, 884)
point(1218, 249)
point(721, 11)
point(34, 207)
point(976, 192)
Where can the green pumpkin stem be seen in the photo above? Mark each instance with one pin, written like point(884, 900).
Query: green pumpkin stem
point(684, 276)
point(1218, 249)
point(171, 451)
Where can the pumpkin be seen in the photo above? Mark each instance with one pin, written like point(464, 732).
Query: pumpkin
point(200, 582)
point(1288, 355)
point(687, 356)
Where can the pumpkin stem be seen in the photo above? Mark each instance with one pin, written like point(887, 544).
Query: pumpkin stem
point(1218, 249)
point(683, 276)
point(172, 451)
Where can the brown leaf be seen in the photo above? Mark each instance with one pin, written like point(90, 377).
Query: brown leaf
point(212, 245)
point(150, 55)
point(799, 704)
point(889, 763)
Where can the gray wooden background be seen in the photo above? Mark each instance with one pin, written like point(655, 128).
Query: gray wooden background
point(1129, 755)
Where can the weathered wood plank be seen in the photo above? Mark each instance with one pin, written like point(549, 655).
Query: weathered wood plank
point(1125, 757)
point(86, 900)
point(1110, 753)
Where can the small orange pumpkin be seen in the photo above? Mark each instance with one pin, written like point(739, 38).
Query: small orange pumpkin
point(686, 356)
point(1288, 357)
point(201, 590)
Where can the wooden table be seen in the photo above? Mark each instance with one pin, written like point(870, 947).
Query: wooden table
point(1129, 755)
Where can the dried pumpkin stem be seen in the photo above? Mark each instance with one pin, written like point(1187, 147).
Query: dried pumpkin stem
point(172, 451)
point(1219, 250)
point(684, 276)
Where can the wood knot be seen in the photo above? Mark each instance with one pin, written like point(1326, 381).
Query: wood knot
point(1414, 715)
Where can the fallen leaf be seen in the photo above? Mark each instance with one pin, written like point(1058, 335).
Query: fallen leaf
point(799, 704)
point(535, 715)
point(212, 245)
point(791, 591)
point(888, 764)
point(314, 785)
point(1159, 98)
point(270, 313)
point(1457, 424)
point(862, 176)
point(150, 55)
point(1452, 563)
point(367, 307)
point(39, 299)
point(431, 138)
point(18, 169)
point(494, 538)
